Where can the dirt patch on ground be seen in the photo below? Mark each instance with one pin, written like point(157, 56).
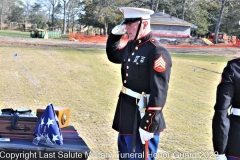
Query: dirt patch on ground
point(191, 46)
point(8, 41)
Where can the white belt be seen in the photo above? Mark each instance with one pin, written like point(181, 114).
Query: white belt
point(130, 92)
point(136, 95)
point(235, 111)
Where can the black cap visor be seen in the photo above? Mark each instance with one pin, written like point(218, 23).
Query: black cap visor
point(130, 20)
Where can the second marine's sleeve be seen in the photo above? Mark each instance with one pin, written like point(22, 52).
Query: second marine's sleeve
point(160, 69)
point(220, 123)
point(114, 54)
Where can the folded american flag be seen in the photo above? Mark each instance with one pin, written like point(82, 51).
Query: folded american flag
point(48, 128)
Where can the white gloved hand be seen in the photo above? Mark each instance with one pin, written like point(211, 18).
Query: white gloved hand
point(221, 157)
point(144, 135)
point(119, 30)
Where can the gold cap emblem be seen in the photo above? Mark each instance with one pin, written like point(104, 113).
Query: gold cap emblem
point(122, 11)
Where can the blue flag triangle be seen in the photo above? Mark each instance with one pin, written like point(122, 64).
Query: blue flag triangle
point(48, 128)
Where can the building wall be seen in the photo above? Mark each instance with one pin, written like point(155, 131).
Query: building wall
point(173, 32)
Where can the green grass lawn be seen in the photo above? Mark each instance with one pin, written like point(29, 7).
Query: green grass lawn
point(21, 34)
point(87, 83)
point(15, 34)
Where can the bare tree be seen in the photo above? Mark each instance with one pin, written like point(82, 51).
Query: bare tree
point(183, 8)
point(27, 6)
point(52, 7)
point(74, 9)
point(65, 7)
point(1, 16)
point(5, 10)
point(151, 4)
point(219, 21)
point(54, 4)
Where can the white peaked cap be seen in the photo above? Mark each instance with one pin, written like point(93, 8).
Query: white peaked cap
point(132, 12)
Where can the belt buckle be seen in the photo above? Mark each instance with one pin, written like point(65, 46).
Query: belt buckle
point(138, 97)
point(143, 110)
point(124, 89)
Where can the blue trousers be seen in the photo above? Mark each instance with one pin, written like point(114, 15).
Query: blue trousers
point(125, 148)
point(232, 158)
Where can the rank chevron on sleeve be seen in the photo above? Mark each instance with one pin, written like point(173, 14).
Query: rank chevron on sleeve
point(160, 64)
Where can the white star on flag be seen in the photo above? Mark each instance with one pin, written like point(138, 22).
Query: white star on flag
point(42, 122)
point(55, 138)
point(49, 122)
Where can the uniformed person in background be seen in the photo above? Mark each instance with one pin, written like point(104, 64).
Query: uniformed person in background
point(145, 70)
point(226, 119)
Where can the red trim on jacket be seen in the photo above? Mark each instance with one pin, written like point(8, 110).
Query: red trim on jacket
point(154, 108)
point(151, 119)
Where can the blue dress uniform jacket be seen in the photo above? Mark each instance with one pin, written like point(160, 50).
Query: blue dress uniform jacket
point(225, 126)
point(146, 67)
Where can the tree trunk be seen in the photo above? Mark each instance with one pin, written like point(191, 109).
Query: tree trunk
point(183, 9)
point(151, 7)
point(64, 17)
point(53, 18)
point(1, 21)
point(49, 13)
point(1, 15)
point(67, 26)
point(105, 27)
point(157, 3)
point(72, 24)
point(24, 25)
point(219, 22)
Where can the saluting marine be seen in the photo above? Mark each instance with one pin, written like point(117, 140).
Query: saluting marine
point(146, 67)
point(225, 126)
